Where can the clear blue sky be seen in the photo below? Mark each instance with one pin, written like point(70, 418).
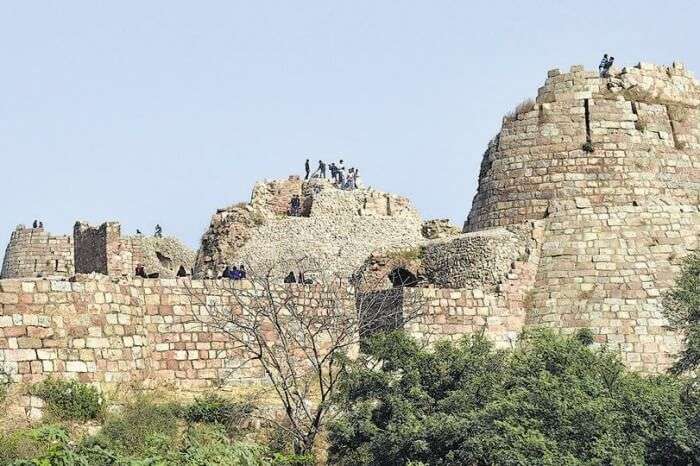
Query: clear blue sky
point(162, 111)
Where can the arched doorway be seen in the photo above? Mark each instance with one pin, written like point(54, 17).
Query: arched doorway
point(401, 277)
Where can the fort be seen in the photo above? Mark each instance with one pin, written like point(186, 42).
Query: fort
point(588, 198)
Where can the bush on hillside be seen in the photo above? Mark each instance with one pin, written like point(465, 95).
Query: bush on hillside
point(69, 399)
point(551, 400)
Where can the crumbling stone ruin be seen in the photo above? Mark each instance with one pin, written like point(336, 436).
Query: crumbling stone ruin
point(32, 252)
point(338, 229)
point(104, 250)
point(588, 198)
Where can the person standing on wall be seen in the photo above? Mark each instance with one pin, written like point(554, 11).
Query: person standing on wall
point(603, 64)
point(307, 168)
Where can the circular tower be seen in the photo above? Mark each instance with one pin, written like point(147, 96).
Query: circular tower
point(611, 168)
point(613, 141)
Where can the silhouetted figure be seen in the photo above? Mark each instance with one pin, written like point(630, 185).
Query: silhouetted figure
point(295, 206)
point(243, 273)
point(140, 271)
point(290, 278)
point(321, 169)
point(158, 232)
point(307, 168)
point(603, 64)
point(606, 68)
point(41, 224)
point(138, 232)
point(334, 171)
point(226, 273)
point(35, 224)
point(235, 273)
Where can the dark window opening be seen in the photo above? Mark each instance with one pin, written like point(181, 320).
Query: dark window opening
point(401, 277)
point(181, 272)
point(588, 120)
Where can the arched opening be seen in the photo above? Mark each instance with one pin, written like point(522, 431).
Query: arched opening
point(181, 272)
point(164, 260)
point(401, 277)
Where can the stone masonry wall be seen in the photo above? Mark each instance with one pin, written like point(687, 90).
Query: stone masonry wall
point(644, 127)
point(137, 330)
point(605, 268)
point(33, 252)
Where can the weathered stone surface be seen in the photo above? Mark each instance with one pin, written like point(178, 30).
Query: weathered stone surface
point(337, 229)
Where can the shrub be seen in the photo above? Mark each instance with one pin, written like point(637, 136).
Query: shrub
point(550, 400)
point(19, 444)
point(681, 306)
point(69, 399)
point(141, 422)
point(588, 147)
point(406, 255)
point(584, 336)
point(212, 408)
point(206, 445)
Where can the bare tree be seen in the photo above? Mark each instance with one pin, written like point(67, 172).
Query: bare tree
point(301, 335)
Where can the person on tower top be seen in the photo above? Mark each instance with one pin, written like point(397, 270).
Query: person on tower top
point(158, 233)
point(307, 168)
point(606, 68)
point(603, 64)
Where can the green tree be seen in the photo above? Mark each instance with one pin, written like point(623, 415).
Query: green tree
point(551, 400)
point(681, 307)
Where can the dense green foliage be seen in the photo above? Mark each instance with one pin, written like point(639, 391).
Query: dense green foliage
point(214, 409)
point(144, 433)
point(551, 400)
point(69, 399)
point(682, 308)
point(200, 446)
point(140, 423)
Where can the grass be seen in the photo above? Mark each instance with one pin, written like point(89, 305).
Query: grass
point(525, 106)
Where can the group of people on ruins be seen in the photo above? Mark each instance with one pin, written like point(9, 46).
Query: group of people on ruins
point(340, 176)
point(235, 273)
point(605, 64)
point(37, 224)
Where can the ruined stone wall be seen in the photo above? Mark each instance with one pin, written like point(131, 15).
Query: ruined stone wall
point(340, 231)
point(274, 196)
point(104, 250)
point(643, 126)
point(476, 259)
point(605, 268)
point(106, 331)
point(33, 252)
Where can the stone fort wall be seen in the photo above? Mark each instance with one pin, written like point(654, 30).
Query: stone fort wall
point(33, 252)
point(150, 331)
point(606, 268)
point(618, 214)
point(643, 125)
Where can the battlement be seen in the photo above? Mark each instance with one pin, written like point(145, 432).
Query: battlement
point(34, 252)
